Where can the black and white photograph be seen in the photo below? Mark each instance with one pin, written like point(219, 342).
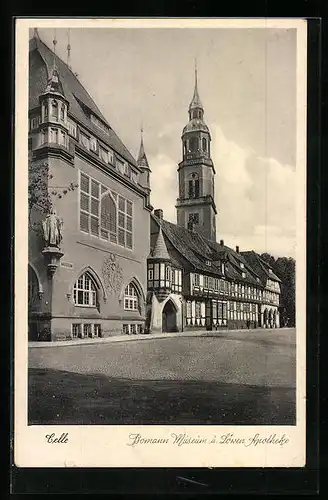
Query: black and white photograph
point(163, 205)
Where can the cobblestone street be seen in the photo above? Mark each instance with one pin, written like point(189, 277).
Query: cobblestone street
point(235, 377)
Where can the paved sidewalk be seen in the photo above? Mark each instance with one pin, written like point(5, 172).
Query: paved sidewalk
point(133, 337)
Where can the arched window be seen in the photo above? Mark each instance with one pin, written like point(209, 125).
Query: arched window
point(193, 185)
point(108, 218)
point(54, 110)
point(131, 300)
point(46, 110)
point(85, 291)
point(193, 144)
point(185, 148)
point(204, 144)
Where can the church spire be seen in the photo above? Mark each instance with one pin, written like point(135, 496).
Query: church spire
point(195, 102)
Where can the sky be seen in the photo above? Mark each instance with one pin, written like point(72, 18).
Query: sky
point(247, 84)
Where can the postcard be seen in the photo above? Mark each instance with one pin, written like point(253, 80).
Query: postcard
point(160, 242)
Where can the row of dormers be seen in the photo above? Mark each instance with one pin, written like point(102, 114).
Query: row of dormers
point(53, 135)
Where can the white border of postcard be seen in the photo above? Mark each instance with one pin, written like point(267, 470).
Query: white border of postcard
point(108, 446)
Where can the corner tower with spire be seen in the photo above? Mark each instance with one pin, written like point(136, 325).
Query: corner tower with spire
point(195, 206)
point(142, 162)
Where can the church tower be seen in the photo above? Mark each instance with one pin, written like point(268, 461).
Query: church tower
point(195, 206)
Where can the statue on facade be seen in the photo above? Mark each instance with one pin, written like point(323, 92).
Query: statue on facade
point(52, 230)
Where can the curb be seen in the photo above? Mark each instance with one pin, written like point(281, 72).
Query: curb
point(137, 337)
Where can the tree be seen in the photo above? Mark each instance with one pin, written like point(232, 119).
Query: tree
point(284, 268)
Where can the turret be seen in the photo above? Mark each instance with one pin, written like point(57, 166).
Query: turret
point(159, 268)
point(54, 107)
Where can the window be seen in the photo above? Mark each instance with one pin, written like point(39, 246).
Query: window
point(93, 144)
point(34, 122)
point(194, 185)
point(124, 222)
point(197, 280)
point(204, 144)
point(108, 218)
point(53, 136)
point(76, 330)
point(194, 218)
point(85, 291)
point(62, 112)
point(87, 330)
point(193, 144)
point(198, 311)
point(44, 136)
point(205, 281)
point(62, 138)
point(241, 265)
point(84, 140)
point(105, 214)
point(150, 274)
point(126, 170)
point(130, 298)
point(54, 110)
point(216, 284)
point(104, 155)
point(120, 166)
point(243, 275)
point(72, 128)
point(46, 110)
point(97, 330)
point(167, 273)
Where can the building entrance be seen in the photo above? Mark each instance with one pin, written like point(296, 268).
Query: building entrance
point(169, 318)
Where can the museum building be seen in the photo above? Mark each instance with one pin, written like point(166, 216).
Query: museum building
point(89, 212)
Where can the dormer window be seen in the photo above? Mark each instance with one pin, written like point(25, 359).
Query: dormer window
point(84, 140)
point(243, 275)
point(93, 144)
point(120, 166)
point(270, 271)
point(241, 265)
point(103, 154)
point(208, 263)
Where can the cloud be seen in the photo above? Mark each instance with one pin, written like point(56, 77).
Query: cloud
point(255, 197)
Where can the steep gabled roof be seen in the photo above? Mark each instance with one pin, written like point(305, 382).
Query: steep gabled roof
point(76, 94)
point(260, 266)
point(198, 250)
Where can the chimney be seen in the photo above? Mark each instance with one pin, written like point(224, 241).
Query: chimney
point(221, 243)
point(190, 226)
point(159, 213)
point(237, 249)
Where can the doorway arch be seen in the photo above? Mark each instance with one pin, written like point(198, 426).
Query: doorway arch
point(169, 317)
